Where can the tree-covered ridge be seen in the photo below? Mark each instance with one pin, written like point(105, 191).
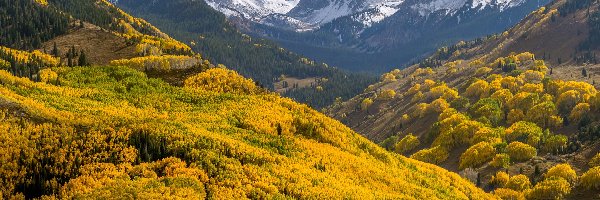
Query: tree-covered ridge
point(25, 24)
point(210, 34)
point(149, 39)
point(112, 132)
point(492, 115)
point(579, 44)
point(25, 64)
point(45, 20)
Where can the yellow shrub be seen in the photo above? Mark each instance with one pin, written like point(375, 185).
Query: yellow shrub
point(532, 88)
point(42, 2)
point(503, 95)
point(423, 72)
point(443, 91)
point(518, 183)
point(48, 76)
point(501, 160)
point(435, 155)
point(539, 66)
point(523, 101)
point(568, 100)
point(531, 76)
point(555, 144)
point(387, 94)
point(4, 64)
point(447, 114)
point(525, 56)
point(164, 62)
point(508, 194)
point(579, 111)
point(406, 144)
point(524, 131)
point(418, 97)
point(555, 188)
point(477, 155)
point(428, 84)
point(520, 151)
point(482, 71)
point(388, 77)
point(591, 178)
point(500, 179)
point(420, 110)
point(562, 171)
point(366, 103)
point(414, 89)
point(438, 106)
point(542, 113)
point(222, 81)
point(479, 89)
point(511, 83)
point(461, 134)
point(489, 135)
point(405, 118)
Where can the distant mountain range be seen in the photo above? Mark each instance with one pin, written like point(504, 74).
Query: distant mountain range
point(372, 35)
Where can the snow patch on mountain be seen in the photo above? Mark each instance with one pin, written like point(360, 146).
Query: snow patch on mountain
point(501, 4)
point(290, 14)
point(450, 7)
point(252, 9)
point(377, 12)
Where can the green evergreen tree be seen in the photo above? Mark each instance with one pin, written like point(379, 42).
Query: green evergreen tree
point(82, 59)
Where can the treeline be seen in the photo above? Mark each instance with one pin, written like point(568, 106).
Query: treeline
point(26, 24)
point(210, 34)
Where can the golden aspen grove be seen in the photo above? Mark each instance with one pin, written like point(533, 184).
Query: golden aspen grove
point(97, 103)
point(111, 131)
point(493, 121)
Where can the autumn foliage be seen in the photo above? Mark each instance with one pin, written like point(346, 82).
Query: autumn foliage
point(111, 132)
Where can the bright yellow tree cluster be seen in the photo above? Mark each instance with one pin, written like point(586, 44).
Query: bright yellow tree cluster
point(161, 63)
point(406, 144)
point(25, 57)
point(477, 155)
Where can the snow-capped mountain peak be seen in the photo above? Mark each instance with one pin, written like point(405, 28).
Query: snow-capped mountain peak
point(253, 9)
point(302, 15)
point(450, 7)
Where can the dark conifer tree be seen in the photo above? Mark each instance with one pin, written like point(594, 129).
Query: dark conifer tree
point(82, 59)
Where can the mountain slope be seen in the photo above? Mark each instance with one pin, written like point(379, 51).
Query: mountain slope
point(479, 108)
point(263, 61)
point(376, 35)
point(541, 32)
point(563, 31)
point(112, 132)
point(229, 144)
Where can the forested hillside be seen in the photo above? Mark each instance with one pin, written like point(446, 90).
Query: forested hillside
point(73, 129)
point(211, 35)
point(564, 33)
point(109, 132)
point(512, 123)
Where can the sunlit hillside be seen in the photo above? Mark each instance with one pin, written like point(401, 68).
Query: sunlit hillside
point(106, 132)
point(485, 111)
